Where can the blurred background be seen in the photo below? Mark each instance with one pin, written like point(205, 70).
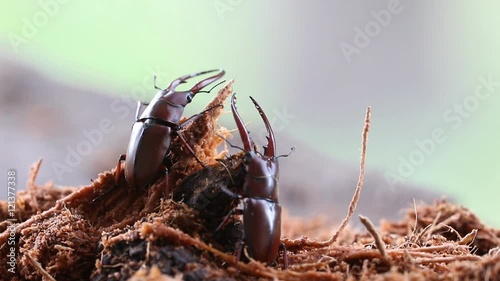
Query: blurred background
point(72, 71)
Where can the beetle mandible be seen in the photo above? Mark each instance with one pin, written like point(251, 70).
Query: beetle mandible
point(153, 131)
point(261, 209)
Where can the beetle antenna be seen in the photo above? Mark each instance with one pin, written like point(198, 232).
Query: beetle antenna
point(154, 83)
point(228, 172)
point(213, 87)
point(292, 149)
point(228, 142)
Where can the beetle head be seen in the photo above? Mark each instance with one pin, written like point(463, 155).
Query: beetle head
point(184, 97)
point(256, 163)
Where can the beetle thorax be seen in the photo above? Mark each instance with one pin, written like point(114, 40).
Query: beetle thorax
point(262, 178)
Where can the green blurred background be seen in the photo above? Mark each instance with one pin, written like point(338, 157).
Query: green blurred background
point(414, 67)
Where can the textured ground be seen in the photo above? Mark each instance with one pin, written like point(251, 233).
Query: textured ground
point(105, 231)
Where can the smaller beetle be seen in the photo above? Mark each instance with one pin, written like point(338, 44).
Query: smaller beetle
point(153, 131)
point(261, 209)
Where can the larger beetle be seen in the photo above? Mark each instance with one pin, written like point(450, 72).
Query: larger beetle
point(153, 131)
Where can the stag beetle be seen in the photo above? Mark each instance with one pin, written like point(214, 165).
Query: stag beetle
point(261, 209)
point(153, 131)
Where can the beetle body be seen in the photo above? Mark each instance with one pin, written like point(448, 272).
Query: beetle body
point(262, 226)
point(261, 209)
point(154, 129)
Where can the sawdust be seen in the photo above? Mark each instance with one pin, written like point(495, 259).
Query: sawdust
point(32, 200)
point(92, 234)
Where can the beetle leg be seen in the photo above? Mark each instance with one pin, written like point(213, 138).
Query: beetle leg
point(167, 189)
point(233, 211)
point(188, 147)
point(231, 193)
point(285, 255)
point(226, 218)
point(196, 116)
point(239, 250)
point(118, 170)
point(167, 163)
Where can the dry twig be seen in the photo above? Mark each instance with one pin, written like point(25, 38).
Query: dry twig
point(357, 193)
point(354, 201)
point(378, 240)
point(39, 268)
point(469, 238)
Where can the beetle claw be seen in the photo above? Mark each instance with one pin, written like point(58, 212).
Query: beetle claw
point(245, 137)
point(200, 85)
point(270, 148)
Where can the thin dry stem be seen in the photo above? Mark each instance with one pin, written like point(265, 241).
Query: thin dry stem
point(158, 229)
point(416, 217)
point(447, 259)
point(39, 268)
point(423, 231)
point(35, 167)
point(378, 240)
point(303, 242)
point(31, 181)
point(433, 225)
point(357, 193)
point(469, 238)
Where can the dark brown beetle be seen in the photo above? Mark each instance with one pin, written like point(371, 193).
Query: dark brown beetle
point(153, 131)
point(261, 209)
